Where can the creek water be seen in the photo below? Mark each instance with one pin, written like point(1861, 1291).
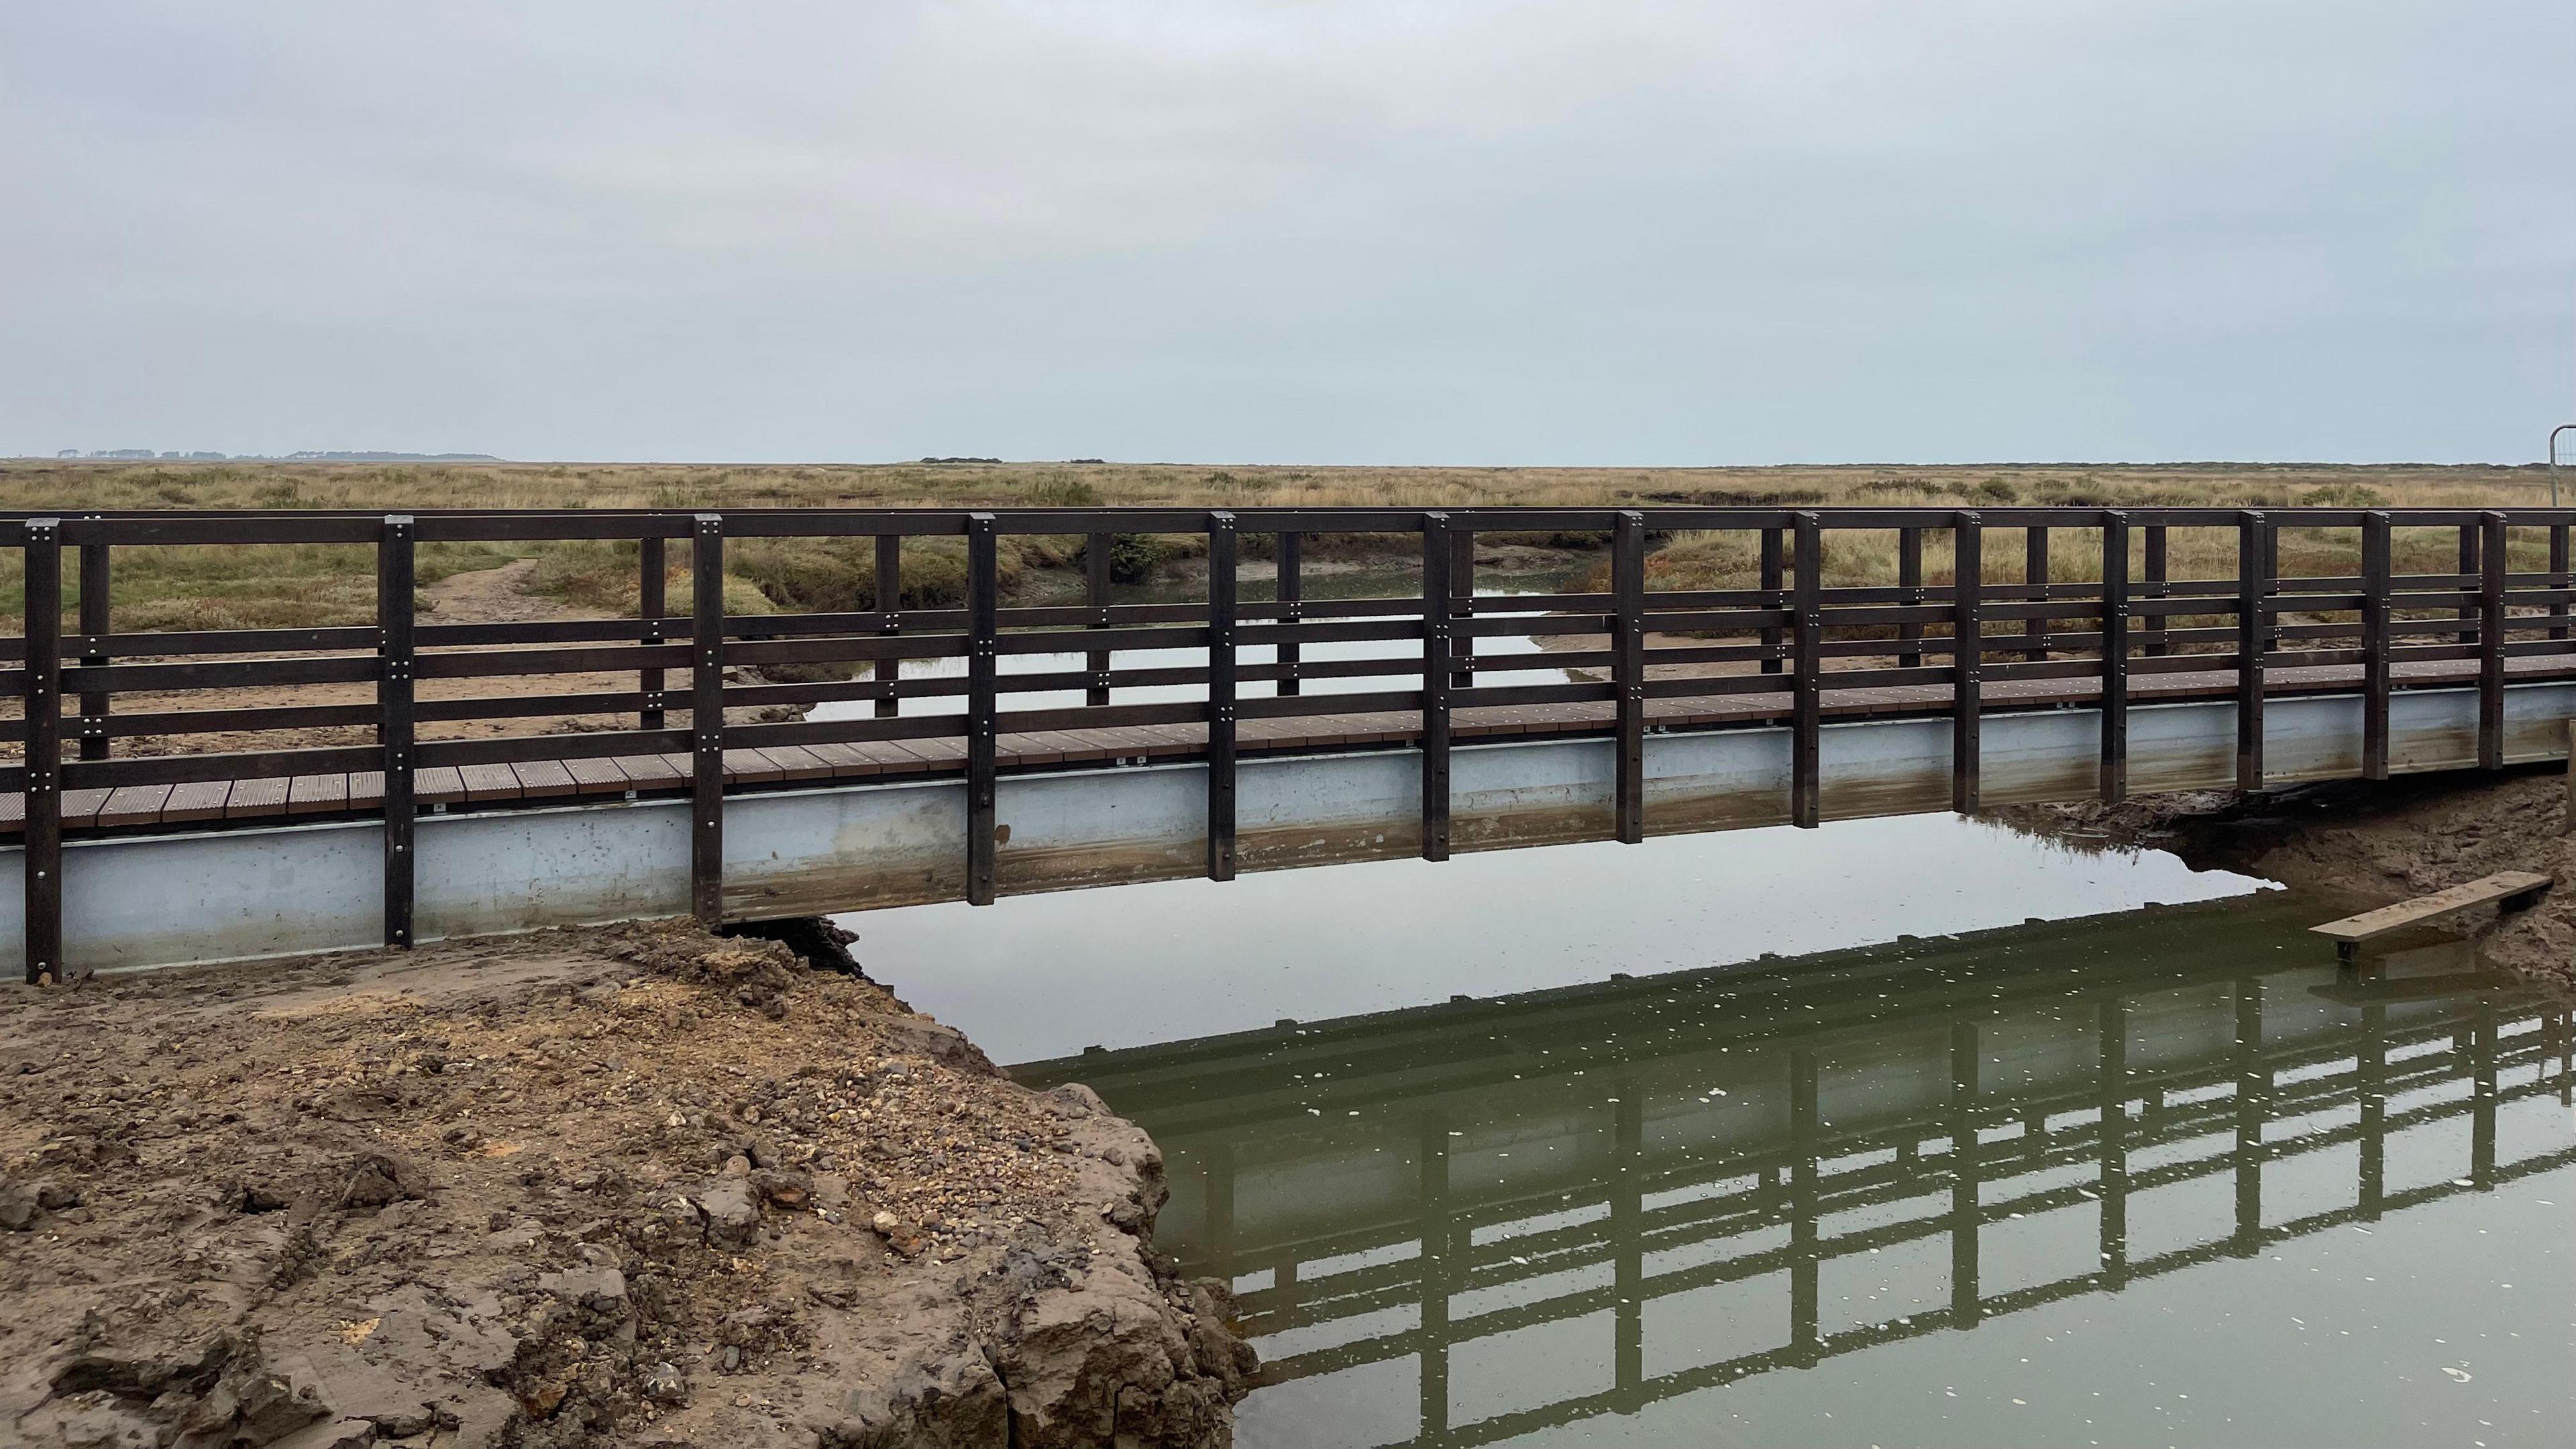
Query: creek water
point(1898, 1132)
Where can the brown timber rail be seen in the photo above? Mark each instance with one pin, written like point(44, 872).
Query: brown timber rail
point(1788, 646)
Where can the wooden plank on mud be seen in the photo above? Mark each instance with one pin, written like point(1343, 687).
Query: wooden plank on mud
point(2503, 885)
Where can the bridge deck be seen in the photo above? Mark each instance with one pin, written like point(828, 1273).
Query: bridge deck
point(362, 792)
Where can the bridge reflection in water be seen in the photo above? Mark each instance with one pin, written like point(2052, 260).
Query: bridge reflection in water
point(1394, 1187)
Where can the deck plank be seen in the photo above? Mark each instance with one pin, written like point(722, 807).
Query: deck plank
point(193, 801)
point(252, 799)
point(134, 805)
point(544, 779)
point(317, 794)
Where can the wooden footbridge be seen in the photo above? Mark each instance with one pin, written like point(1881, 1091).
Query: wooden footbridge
point(1051, 745)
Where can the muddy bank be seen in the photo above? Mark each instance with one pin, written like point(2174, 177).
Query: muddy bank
point(637, 1185)
point(2368, 844)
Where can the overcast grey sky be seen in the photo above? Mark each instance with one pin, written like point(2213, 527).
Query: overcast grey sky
point(1596, 232)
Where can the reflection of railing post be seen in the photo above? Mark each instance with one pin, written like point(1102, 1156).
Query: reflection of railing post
point(1628, 1240)
point(1437, 1241)
point(2115, 1142)
point(2252, 1083)
point(1964, 1306)
point(2482, 1106)
point(1218, 1211)
point(1805, 1263)
point(2370, 1076)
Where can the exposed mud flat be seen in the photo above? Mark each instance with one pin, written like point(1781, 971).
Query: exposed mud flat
point(2370, 844)
point(637, 1185)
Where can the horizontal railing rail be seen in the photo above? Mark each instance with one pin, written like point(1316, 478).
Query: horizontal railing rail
point(1788, 615)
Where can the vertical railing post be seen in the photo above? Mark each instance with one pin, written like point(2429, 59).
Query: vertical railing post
point(95, 626)
point(2491, 641)
point(2114, 1095)
point(1292, 606)
point(1772, 663)
point(44, 709)
point(706, 719)
point(1222, 543)
point(652, 605)
point(2158, 586)
point(2375, 586)
point(1909, 580)
point(1807, 683)
point(2253, 587)
point(1628, 673)
point(889, 611)
point(1967, 657)
point(1965, 1304)
point(2469, 569)
point(1435, 686)
point(395, 575)
point(2115, 656)
point(1462, 605)
point(983, 701)
point(1097, 551)
point(2558, 580)
point(2034, 577)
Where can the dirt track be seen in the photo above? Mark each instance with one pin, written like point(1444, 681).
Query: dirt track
point(626, 1186)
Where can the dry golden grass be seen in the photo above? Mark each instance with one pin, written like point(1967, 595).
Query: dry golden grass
point(282, 586)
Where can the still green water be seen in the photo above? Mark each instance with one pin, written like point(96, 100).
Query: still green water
point(2163, 1178)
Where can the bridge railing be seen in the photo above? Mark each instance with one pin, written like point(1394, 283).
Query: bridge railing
point(1823, 612)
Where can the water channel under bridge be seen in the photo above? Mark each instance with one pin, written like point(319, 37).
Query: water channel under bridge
point(1470, 1223)
point(784, 764)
